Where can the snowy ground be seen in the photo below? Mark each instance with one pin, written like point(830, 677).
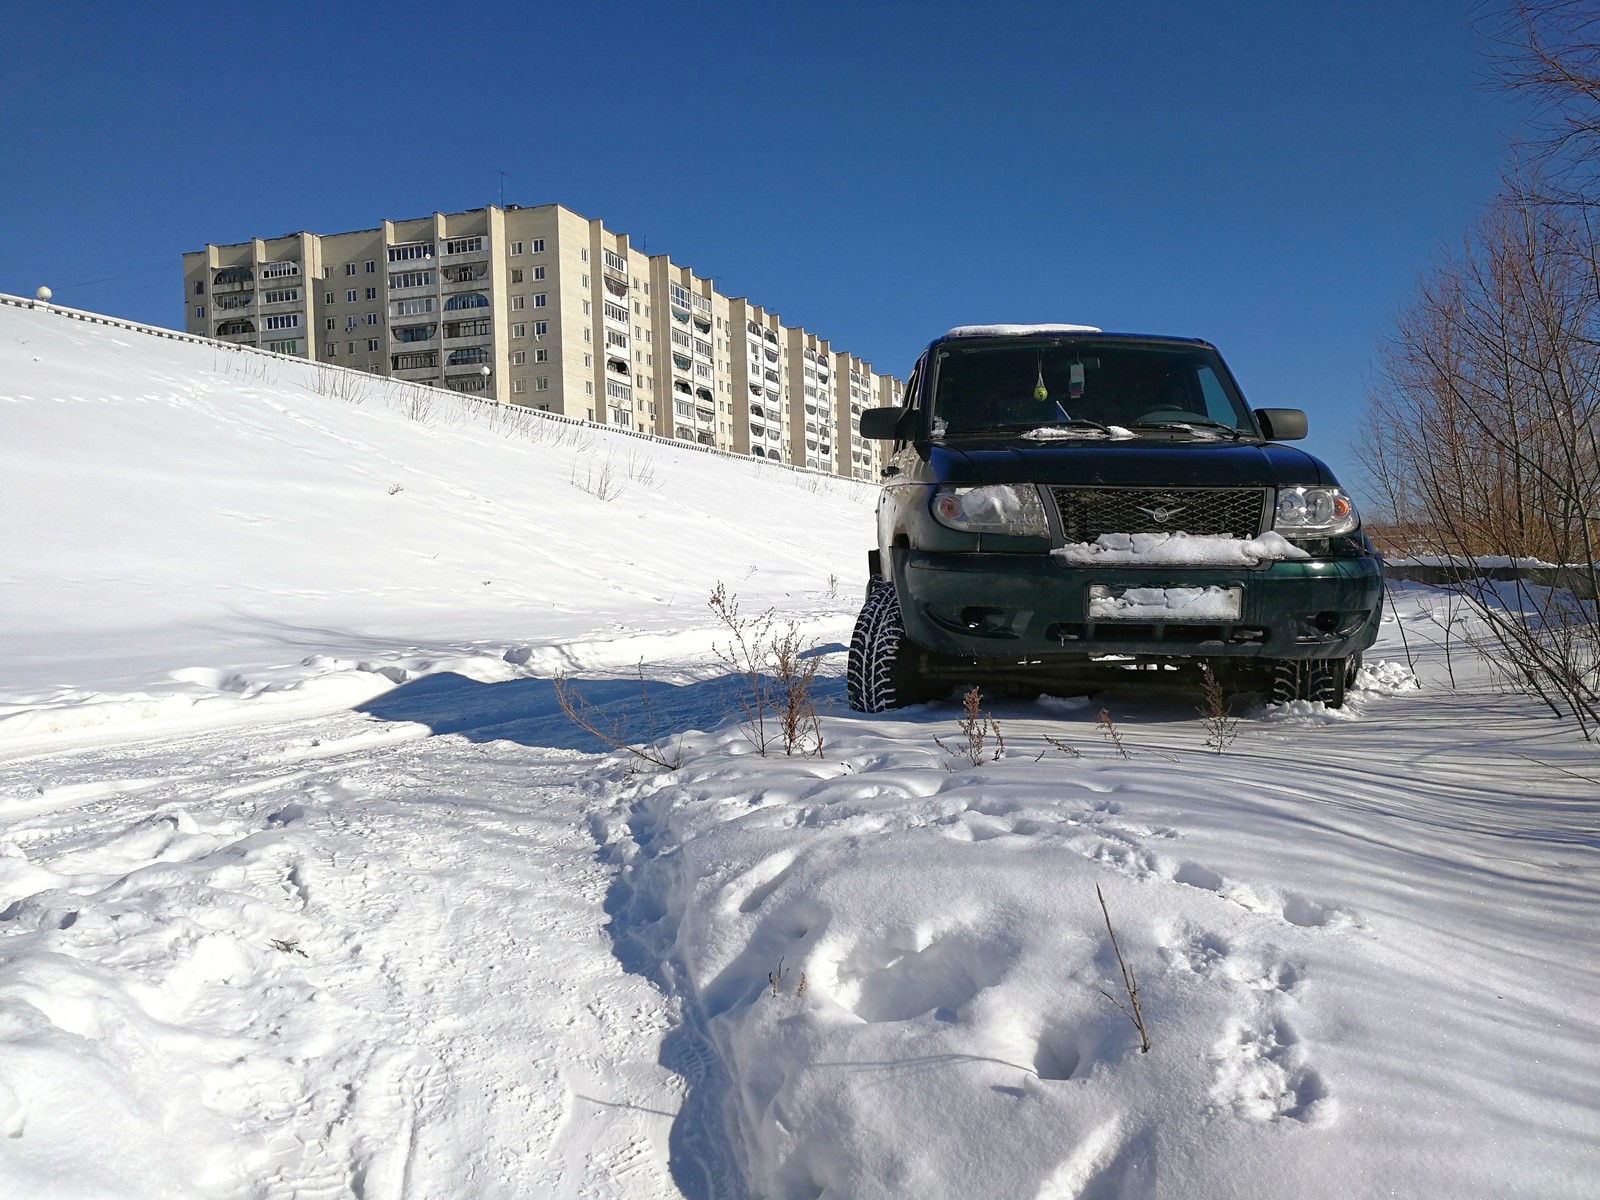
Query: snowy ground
point(308, 889)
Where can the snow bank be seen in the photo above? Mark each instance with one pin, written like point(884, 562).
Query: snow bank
point(900, 961)
point(194, 530)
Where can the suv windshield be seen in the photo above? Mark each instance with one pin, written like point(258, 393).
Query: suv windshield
point(1007, 385)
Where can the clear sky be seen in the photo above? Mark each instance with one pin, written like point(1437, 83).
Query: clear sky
point(1267, 175)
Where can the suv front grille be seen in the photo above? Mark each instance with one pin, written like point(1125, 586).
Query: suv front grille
point(1088, 512)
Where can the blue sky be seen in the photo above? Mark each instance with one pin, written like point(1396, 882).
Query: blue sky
point(1269, 176)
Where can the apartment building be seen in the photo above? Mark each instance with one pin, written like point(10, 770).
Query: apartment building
point(543, 307)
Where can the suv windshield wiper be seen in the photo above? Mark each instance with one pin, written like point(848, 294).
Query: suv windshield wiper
point(1194, 425)
point(1076, 427)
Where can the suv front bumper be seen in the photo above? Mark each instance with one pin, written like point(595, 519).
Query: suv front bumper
point(984, 605)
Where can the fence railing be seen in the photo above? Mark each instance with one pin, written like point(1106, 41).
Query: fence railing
point(175, 335)
point(1578, 580)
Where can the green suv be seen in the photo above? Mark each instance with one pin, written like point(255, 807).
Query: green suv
point(1065, 508)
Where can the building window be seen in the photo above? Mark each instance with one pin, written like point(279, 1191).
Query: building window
point(520, 329)
point(519, 385)
point(351, 347)
point(516, 275)
point(415, 307)
point(540, 328)
point(586, 283)
point(283, 321)
point(538, 273)
point(350, 296)
point(349, 268)
point(328, 323)
point(350, 323)
point(199, 287)
point(281, 296)
point(588, 389)
point(537, 245)
point(584, 254)
point(327, 297)
point(408, 279)
point(327, 273)
point(516, 248)
point(588, 361)
point(542, 384)
point(372, 344)
point(587, 309)
point(279, 270)
point(372, 266)
point(517, 303)
point(518, 357)
point(284, 347)
point(200, 310)
point(372, 293)
point(538, 299)
point(466, 245)
point(372, 318)
point(331, 350)
point(540, 354)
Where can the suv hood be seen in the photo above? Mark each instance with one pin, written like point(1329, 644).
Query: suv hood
point(1127, 464)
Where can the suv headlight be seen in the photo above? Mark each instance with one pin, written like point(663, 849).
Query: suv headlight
point(1314, 512)
point(994, 508)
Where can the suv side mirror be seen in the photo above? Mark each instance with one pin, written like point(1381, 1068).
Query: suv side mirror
point(1282, 424)
point(882, 424)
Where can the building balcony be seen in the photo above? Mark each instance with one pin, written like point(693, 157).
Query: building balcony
point(407, 362)
point(420, 336)
point(227, 302)
point(465, 249)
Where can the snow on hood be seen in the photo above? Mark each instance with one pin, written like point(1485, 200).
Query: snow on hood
point(1178, 550)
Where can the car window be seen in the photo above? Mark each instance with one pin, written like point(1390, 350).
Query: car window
point(994, 385)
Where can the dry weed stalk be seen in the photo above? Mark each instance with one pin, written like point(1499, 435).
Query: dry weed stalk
point(775, 673)
point(1130, 984)
point(775, 978)
point(1113, 735)
point(1221, 726)
point(977, 728)
point(1062, 745)
point(613, 731)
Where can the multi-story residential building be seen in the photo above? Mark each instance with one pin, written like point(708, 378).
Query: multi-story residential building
point(543, 307)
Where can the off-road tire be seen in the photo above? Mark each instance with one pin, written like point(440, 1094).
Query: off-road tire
point(882, 671)
point(1321, 679)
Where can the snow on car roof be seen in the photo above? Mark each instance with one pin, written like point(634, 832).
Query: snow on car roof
point(1004, 330)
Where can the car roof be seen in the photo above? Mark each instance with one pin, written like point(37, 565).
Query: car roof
point(1024, 333)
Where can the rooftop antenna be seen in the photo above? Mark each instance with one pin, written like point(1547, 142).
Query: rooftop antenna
point(502, 189)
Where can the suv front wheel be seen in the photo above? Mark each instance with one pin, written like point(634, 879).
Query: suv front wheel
point(883, 671)
point(1323, 679)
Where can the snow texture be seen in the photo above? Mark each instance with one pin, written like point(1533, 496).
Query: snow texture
point(307, 889)
point(1073, 433)
point(1178, 550)
point(1167, 604)
point(966, 331)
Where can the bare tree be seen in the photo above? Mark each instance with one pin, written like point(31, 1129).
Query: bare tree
point(1484, 432)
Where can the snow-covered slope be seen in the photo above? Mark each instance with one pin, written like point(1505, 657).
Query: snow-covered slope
point(308, 889)
point(187, 525)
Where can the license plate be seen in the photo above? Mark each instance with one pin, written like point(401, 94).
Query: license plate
point(1195, 605)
